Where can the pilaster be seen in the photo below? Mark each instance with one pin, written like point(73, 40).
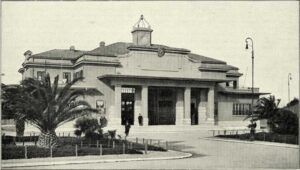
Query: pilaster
point(144, 97)
point(187, 106)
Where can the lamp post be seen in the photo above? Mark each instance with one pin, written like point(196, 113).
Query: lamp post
point(289, 78)
point(252, 129)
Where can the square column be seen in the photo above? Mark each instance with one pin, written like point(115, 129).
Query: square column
point(210, 105)
point(144, 109)
point(179, 107)
point(137, 106)
point(115, 117)
point(187, 106)
point(202, 107)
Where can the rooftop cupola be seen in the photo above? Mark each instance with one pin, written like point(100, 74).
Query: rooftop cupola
point(141, 33)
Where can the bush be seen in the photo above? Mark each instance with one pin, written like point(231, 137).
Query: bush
point(77, 132)
point(263, 136)
point(8, 140)
point(87, 126)
point(112, 133)
point(20, 127)
point(103, 122)
point(284, 122)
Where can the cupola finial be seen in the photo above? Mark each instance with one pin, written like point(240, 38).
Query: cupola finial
point(142, 23)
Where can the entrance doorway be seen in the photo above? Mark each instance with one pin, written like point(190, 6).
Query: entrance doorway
point(161, 106)
point(194, 114)
point(195, 102)
point(127, 108)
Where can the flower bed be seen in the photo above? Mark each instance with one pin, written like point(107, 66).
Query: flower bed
point(18, 152)
point(264, 136)
point(67, 147)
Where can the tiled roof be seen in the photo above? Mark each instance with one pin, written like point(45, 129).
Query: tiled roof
point(116, 49)
point(203, 59)
point(120, 48)
point(112, 50)
point(59, 54)
point(233, 67)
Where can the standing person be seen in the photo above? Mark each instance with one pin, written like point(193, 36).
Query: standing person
point(140, 120)
point(127, 128)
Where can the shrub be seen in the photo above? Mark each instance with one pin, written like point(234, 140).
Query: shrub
point(89, 127)
point(263, 136)
point(103, 122)
point(284, 122)
point(20, 127)
point(77, 132)
point(8, 140)
point(112, 133)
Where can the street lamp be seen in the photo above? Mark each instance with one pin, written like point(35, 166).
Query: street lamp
point(289, 78)
point(247, 40)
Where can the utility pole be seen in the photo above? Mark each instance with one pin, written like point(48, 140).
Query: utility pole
point(252, 130)
point(289, 78)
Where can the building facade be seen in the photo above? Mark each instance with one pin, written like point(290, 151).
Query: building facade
point(164, 85)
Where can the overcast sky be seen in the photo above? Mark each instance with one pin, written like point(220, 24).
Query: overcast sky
point(214, 29)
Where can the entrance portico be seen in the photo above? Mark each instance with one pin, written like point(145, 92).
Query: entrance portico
point(163, 102)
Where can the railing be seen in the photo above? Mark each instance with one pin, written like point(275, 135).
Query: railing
point(248, 89)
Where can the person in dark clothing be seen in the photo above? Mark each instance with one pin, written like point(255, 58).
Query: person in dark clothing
point(127, 128)
point(140, 120)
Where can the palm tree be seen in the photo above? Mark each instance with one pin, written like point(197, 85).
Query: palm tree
point(47, 107)
point(265, 108)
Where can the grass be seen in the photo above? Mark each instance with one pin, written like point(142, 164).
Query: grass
point(67, 147)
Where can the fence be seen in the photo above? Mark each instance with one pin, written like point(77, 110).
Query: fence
point(76, 146)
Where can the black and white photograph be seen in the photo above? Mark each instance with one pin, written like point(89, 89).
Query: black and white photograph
point(149, 85)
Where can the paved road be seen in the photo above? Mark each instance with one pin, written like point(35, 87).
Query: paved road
point(207, 154)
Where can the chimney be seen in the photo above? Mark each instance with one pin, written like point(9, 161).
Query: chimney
point(72, 48)
point(102, 44)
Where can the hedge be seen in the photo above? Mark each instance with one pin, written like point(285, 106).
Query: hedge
point(264, 136)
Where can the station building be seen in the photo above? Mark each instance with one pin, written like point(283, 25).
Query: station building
point(165, 85)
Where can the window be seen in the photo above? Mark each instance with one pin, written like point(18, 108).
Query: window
point(234, 84)
point(67, 77)
point(81, 73)
point(41, 75)
point(128, 90)
point(241, 109)
point(78, 74)
point(227, 84)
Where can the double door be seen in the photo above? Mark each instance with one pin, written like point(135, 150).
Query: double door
point(161, 106)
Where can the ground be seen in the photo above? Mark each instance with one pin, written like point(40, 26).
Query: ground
point(207, 154)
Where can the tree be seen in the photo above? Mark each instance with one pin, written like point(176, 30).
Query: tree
point(279, 120)
point(46, 106)
point(265, 108)
point(8, 96)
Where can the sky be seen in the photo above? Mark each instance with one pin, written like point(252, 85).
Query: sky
point(214, 29)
